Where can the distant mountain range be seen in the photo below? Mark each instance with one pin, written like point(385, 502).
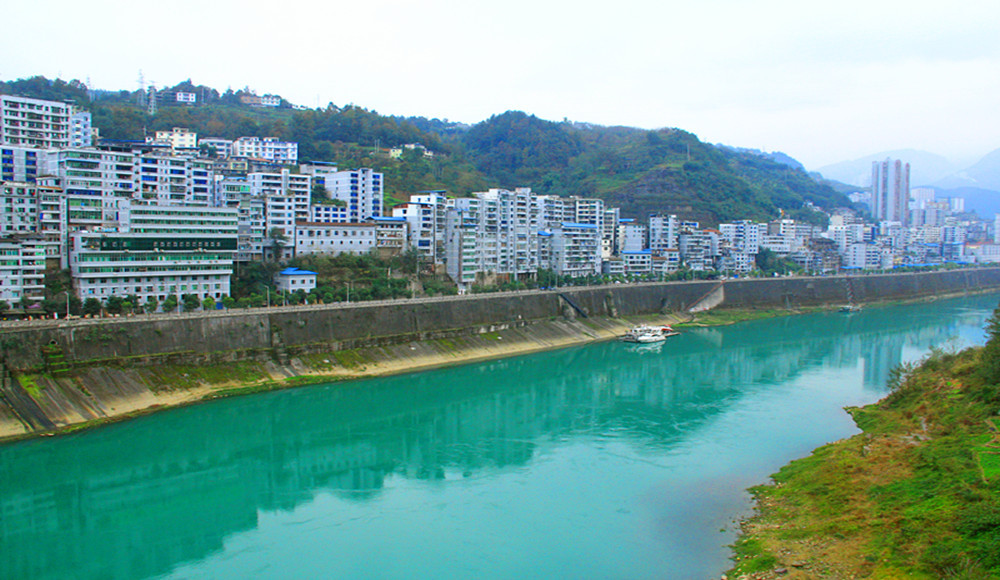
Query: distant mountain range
point(978, 184)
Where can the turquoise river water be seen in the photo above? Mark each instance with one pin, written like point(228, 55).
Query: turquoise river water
point(601, 461)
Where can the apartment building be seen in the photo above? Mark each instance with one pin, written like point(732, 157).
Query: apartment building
point(509, 225)
point(19, 163)
point(663, 232)
point(572, 250)
point(329, 213)
point(391, 235)
point(551, 210)
point(18, 208)
point(585, 210)
point(427, 216)
point(463, 261)
point(222, 147)
point(866, 257)
point(632, 235)
point(891, 191)
point(269, 149)
point(43, 124)
point(251, 229)
point(90, 172)
point(666, 264)
point(22, 270)
point(157, 251)
point(295, 280)
point(699, 248)
point(174, 179)
point(638, 263)
point(286, 198)
point(554, 210)
point(609, 233)
point(334, 239)
point(359, 190)
point(421, 222)
point(177, 138)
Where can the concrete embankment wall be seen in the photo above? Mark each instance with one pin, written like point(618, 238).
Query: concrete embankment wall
point(59, 373)
point(235, 335)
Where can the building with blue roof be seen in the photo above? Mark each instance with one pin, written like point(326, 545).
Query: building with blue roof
point(295, 279)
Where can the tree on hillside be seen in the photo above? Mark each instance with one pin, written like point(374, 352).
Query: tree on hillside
point(517, 148)
point(278, 242)
point(39, 87)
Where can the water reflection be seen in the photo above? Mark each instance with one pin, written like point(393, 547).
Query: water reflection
point(135, 500)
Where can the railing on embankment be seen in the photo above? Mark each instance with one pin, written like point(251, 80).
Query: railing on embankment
point(264, 331)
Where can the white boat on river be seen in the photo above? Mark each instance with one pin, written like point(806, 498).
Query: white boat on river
point(645, 334)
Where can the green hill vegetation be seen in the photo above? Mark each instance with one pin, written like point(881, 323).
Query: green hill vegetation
point(916, 495)
point(640, 171)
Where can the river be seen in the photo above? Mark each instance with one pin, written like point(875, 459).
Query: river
point(602, 461)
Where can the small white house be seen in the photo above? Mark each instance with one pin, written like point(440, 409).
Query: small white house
point(294, 279)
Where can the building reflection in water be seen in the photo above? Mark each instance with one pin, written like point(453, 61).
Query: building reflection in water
point(134, 500)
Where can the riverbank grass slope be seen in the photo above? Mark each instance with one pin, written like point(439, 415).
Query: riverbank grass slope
point(916, 495)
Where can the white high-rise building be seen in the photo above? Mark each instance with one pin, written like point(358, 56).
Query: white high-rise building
point(585, 210)
point(663, 232)
point(744, 235)
point(20, 163)
point(891, 191)
point(286, 198)
point(22, 270)
point(511, 220)
point(174, 179)
point(19, 207)
point(921, 196)
point(427, 217)
point(632, 235)
point(360, 190)
point(573, 249)
point(609, 233)
point(43, 124)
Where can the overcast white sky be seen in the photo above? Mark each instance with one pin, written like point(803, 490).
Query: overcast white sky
point(823, 82)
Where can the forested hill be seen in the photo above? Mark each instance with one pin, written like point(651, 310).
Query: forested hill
point(644, 171)
point(637, 170)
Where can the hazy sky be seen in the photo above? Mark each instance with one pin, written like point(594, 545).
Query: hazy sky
point(823, 82)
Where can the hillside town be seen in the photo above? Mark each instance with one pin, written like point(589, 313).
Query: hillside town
point(174, 214)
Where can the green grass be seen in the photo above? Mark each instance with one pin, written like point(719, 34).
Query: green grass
point(725, 316)
point(190, 376)
point(350, 359)
point(899, 500)
point(30, 385)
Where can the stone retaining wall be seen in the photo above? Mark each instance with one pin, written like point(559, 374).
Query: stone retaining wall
point(259, 332)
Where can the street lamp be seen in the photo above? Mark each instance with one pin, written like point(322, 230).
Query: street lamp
point(66, 292)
